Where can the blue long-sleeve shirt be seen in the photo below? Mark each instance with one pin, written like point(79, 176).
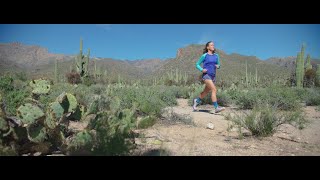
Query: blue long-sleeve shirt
point(209, 61)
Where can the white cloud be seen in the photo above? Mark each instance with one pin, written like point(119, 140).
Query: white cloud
point(104, 26)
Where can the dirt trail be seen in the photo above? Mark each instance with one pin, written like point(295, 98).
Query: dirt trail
point(180, 139)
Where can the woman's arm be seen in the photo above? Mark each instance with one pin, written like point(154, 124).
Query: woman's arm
point(199, 62)
point(218, 61)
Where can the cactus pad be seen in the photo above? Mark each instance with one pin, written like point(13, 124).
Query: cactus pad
point(68, 102)
point(36, 133)
point(29, 113)
point(40, 86)
point(55, 112)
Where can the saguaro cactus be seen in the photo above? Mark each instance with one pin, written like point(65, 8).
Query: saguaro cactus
point(56, 71)
point(308, 65)
point(298, 71)
point(302, 61)
point(82, 62)
point(256, 75)
point(95, 69)
point(247, 73)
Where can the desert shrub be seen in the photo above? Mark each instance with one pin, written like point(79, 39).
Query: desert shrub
point(264, 120)
point(313, 97)
point(283, 98)
point(73, 77)
point(88, 81)
point(6, 83)
point(22, 76)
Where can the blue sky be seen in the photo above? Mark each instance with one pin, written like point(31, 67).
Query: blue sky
point(140, 41)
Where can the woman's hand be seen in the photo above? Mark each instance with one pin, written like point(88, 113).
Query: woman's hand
point(204, 70)
point(217, 66)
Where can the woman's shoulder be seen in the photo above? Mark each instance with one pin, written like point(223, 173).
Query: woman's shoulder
point(204, 55)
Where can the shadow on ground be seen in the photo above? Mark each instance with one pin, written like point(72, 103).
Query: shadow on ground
point(157, 152)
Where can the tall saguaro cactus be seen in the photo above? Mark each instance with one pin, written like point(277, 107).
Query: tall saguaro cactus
point(302, 61)
point(256, 75)
point(299, 71)
point(82, 62)
point(95, 69)
point(56, 79)
point(247, 80)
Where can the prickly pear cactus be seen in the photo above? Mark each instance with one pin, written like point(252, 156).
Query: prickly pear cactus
point(98, 103)
point(36, 133)
point(127, 117)
point(93, 107)
point(55, 112)
point(81, 141)
point(40, 86)
point(68, 102)
point(29, 113)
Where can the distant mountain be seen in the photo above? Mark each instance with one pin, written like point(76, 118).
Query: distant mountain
point(147, 65)
point(17, 55)
point(289, 62)
point(37, 61)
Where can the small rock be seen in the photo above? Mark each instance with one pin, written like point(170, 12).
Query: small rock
point(26, 154)
point(292, 154)
point(210, 126)
point(246, 133)
point(37, 154)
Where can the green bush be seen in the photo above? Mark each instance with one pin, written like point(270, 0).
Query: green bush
point(14, 93)
point(284, 98)
point(148, 100)
point(223, 98)
point(6, 83)
point(248, 99)
point(88, 81)
point(13, 99)
point(97, 88)
point(234, 94)
point(313, 97)
point(22, 76)
point(264, 120)
point(301, 93)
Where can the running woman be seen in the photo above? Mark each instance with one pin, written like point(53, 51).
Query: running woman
point(211, 62)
